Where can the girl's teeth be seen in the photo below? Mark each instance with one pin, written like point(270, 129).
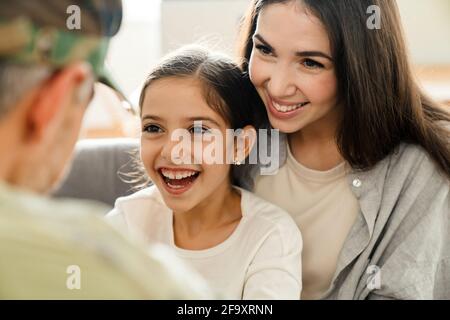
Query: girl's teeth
point(177, 175)
point(175, 186)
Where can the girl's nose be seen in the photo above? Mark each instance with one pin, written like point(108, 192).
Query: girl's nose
point(166, 150)
point(177, 151)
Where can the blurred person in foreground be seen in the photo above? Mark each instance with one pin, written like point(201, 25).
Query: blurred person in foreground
point(62, 249)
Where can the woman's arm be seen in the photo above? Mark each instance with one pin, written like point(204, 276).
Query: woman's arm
point(416, 262)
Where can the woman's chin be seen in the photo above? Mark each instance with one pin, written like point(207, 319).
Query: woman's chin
point(285, 126)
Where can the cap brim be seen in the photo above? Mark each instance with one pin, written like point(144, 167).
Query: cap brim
point(104, 76)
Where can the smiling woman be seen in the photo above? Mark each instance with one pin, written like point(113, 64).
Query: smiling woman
point(294, 75)
point(365, 154)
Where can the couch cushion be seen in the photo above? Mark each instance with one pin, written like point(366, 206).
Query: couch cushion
point(94, 173)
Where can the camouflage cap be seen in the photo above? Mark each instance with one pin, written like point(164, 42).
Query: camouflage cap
point(59, 32)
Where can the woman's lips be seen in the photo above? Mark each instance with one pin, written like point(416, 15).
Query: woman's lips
point(283, 110)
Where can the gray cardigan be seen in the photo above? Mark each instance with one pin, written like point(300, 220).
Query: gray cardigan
point(399, 246)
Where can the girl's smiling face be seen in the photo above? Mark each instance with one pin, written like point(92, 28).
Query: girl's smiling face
point(292, 68)
point(171, 104)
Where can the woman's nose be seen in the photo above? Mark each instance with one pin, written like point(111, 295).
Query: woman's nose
point(281, 82)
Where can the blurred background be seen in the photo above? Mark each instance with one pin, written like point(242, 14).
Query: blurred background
point(152, 28)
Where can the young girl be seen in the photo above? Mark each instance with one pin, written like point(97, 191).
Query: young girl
point(244, 247)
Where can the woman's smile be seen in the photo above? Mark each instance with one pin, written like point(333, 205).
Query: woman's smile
point(291, 67)
point(285, 110)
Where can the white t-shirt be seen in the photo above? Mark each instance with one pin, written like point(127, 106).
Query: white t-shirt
point(260, 260)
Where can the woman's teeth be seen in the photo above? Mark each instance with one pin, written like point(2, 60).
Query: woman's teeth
point(282, 108)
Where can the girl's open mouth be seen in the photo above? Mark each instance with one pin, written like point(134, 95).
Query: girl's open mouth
point(178, 181)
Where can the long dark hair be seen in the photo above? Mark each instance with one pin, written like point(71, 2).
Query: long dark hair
point(382, 104)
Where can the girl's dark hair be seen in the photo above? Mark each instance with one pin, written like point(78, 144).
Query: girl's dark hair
point(382, 104)
point(225, 87)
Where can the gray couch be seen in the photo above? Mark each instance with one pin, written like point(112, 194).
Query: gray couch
point(95, 170)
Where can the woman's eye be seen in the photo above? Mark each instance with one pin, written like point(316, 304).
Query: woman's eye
point(263, 49)
point(311, 64)
point(198, 130)
point(152, 129)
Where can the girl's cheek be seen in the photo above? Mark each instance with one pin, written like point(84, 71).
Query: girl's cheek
point(214, 174)
point(149, 152)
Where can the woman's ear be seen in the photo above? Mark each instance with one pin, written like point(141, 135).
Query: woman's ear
point(57, 92)
point(245, 143)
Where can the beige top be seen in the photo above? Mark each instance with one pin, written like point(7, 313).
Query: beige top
point(323, 206)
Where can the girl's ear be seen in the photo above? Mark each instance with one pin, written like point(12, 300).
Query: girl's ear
point(245, 143)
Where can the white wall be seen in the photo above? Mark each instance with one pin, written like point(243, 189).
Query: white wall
point(187, 21)
point(136, 48)
point(427, 27)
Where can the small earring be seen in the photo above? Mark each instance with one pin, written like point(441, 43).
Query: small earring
point(236, 162)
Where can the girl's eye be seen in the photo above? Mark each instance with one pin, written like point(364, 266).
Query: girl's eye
point(263, 49)
point(152, 129)
point(197, 130)
point(311, 64)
